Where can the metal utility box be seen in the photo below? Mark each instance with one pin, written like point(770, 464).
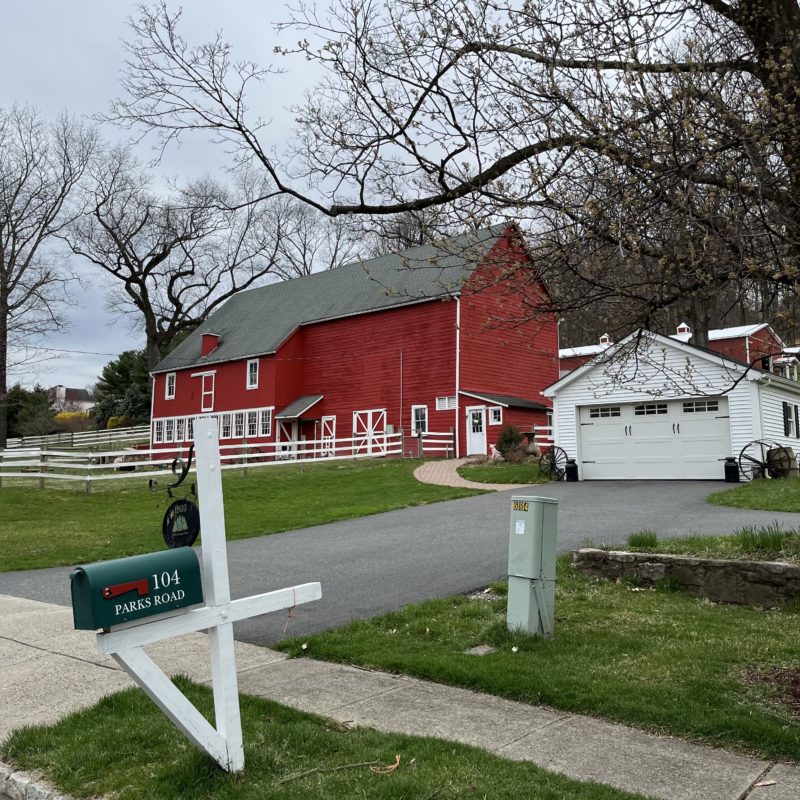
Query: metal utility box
point(109, 593)
point(532, 565)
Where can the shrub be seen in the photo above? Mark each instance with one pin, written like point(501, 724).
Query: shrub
point(68, 421)
point(508, 440)
point(119, 422)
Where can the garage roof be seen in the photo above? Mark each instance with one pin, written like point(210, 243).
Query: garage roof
point(257, 321)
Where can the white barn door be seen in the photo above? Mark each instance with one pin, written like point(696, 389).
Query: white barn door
point(369, 432)
point(328, 436)
point(476, 430)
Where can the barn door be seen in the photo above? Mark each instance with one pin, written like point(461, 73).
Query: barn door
point(287, 438)
point(369, 432)
point(329, 436)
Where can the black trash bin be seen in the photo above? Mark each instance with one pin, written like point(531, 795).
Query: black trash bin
point(571, 470)
point(731, 470)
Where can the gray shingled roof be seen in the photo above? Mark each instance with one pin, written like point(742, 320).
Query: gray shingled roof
point(505, 400)
point(255, 322)
point(298, 407)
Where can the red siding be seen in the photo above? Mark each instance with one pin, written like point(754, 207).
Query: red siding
point(572, 362)
point(748, 348)
point(507, 348)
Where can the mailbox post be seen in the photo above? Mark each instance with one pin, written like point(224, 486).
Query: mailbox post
point(532, 565)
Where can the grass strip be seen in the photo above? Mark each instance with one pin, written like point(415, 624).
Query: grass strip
point(763, 495)
point(756, 543)
point(503, 473)
point(659, 660)
point(62, 526)
point(126, 749)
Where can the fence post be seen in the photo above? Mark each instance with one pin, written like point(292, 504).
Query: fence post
point(245, 452)
point(42, 468)
point(1, 469)
point(88, 482)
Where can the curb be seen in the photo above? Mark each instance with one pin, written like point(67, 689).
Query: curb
point(18, 785)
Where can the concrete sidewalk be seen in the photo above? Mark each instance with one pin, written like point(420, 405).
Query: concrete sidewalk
point(48, 670)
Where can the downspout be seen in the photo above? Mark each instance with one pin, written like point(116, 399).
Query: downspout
point(458, 377)
point(153, 403)
point(401, 396)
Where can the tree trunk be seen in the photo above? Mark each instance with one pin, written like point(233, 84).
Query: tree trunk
point(3, 375)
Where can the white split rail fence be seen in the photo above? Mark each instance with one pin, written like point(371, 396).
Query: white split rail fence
point(82, 439)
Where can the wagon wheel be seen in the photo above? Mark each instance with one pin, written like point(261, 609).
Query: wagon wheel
point(754, 459)
point(553, 463)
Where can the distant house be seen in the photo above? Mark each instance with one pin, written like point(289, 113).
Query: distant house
point(63, 398)
point(416, 341)
point(654, 406)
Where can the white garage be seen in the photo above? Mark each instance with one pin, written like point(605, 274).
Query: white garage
point(652, 407)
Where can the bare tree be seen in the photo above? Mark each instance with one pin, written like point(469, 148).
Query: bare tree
point(40, 165)
point(654, 145)
point(171, 260)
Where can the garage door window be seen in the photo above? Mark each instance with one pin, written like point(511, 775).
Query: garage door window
point(648, 409)
point(604, 411)
point(698, 406)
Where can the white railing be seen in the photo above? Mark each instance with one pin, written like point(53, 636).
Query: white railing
point(74, 465)
point(435, 444)
point(542, 435)
point(83, 439)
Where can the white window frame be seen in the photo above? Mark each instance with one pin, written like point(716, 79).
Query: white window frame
point(206, 392)
point(495, 410)
point(169, 430)
point(158, 431)
point(190, 429)
point(225, 427)
point(415, 431)
point(446, 403)
point(169, 386)
point(251, 424)
point(265, 416)
point(252, 384)
point(180, 429)
point(238, 424)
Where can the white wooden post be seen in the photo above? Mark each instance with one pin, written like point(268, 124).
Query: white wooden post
point(222, 741)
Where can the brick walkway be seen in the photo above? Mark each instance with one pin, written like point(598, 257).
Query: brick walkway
point(443, 472)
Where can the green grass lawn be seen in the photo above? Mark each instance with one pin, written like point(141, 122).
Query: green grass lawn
point(767, 543)
point(62, 526)
point(764, 495)
point(125, 748)
point(503, 473)
point(659, 660)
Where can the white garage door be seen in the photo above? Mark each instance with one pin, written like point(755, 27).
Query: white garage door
point(659, 439)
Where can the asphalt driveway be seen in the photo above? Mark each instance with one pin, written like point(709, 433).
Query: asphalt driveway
point(375, 564)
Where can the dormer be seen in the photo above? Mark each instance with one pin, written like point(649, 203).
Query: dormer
point(208, 344)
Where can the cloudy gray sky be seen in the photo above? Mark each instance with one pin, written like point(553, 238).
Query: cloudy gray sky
point(60, 55)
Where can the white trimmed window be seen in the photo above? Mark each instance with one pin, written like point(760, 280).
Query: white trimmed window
point(419, 420)
point(602, 412)
point(225, 433)
point(252, 424)
point(649, 409)
point(169, 386)
point(445, 403)
point(180, 428)
point(698, 406)
point(207, 391)
point(238, 425)
point(190, 429)
point(169, 430)
point(158, 435)
point(252, 373)
point(496, 415)
point(266, 421)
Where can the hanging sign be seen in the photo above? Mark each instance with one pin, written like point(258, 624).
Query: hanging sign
point(181, 524)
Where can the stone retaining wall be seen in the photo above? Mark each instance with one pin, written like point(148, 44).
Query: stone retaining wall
point(754, 583)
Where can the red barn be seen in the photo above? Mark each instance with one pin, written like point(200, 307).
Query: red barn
point(438, 338)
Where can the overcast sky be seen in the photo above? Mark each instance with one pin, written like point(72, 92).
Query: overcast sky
point(67, 55)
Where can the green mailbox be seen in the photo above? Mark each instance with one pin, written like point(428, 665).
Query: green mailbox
point(109, 593)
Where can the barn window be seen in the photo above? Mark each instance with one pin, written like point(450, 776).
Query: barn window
point(238, 425)
point(207, 391)
point(266, 421)
point(698, 406)
point(169, 387)
point(180, 428)
point(190, 426)
point(169, 428)
point(252, 373)
point(496, 415)
point(445, 403)
point(252, 423)
point(648, 409)
point(225, 432)
point(158, 435)
point(419, 420)
point(602, 412)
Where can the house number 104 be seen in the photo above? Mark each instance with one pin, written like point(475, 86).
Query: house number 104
point(167, 580)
